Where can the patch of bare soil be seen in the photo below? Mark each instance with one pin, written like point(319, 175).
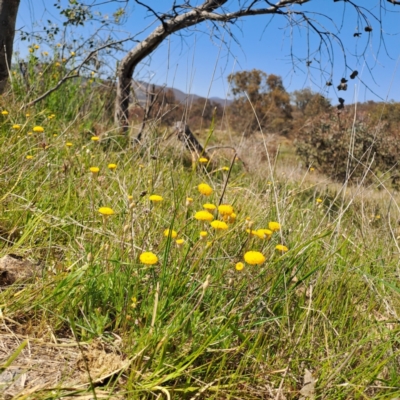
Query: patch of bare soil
point(30, 367)
point(60, 369)
point(15, 268)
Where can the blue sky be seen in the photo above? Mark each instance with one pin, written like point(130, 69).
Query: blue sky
point(199, 63)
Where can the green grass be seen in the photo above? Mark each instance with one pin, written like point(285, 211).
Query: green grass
point(192, 325)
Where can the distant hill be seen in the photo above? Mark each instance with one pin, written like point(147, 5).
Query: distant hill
point(141, 87)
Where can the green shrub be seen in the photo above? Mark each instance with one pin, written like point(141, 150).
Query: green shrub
point(345, 149)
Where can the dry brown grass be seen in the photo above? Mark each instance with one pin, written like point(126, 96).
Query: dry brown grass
point(61, 366)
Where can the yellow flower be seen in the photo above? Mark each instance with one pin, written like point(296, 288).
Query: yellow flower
point(219, 225)
point(319, 200)
point(69, 144)
point(203, 160)
point(189, 201)
point(27, 115)
point(95, 138)
point(58, 44)
point(281, 247)
point(251, 232)
point(312, 169)
point(106, 211)
point(30, 50)
point(54, 134)
point(274, 226)
point(231, 218)
point(254, 257)
point(170, 233)
point(205, 189)
point(209, 206)
point(4, 112)
point(16, 127)
point(72, 53)
point(64, 59)
point(112, 166)
point(203, 215)
point(225, 209)
point(57, 64)
point(148, 258)
point(38, 129)
point(45, 53)
point(30, 133)
point(179, 242)
point(94, 170)
point(264, 233)
point(225, 168)
point(203, 234)
point(134, 302)
point(156, 198)
point(36, 47)
point(29, 157)
point(130, 197)
point(239, 266)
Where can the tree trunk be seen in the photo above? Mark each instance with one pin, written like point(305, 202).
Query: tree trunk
point(125, 72)
point(147, 46)
point(8, 18)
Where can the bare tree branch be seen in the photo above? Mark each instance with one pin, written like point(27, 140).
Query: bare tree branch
point(185, 16)
point(53, 89)
point(71, 74)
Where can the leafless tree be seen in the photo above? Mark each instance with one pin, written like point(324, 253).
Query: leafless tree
point(222, 14)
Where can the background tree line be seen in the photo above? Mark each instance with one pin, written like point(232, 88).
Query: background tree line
point(342, 145)
point(259, 102)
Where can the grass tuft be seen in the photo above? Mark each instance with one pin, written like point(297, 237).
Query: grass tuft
point(191, 323)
